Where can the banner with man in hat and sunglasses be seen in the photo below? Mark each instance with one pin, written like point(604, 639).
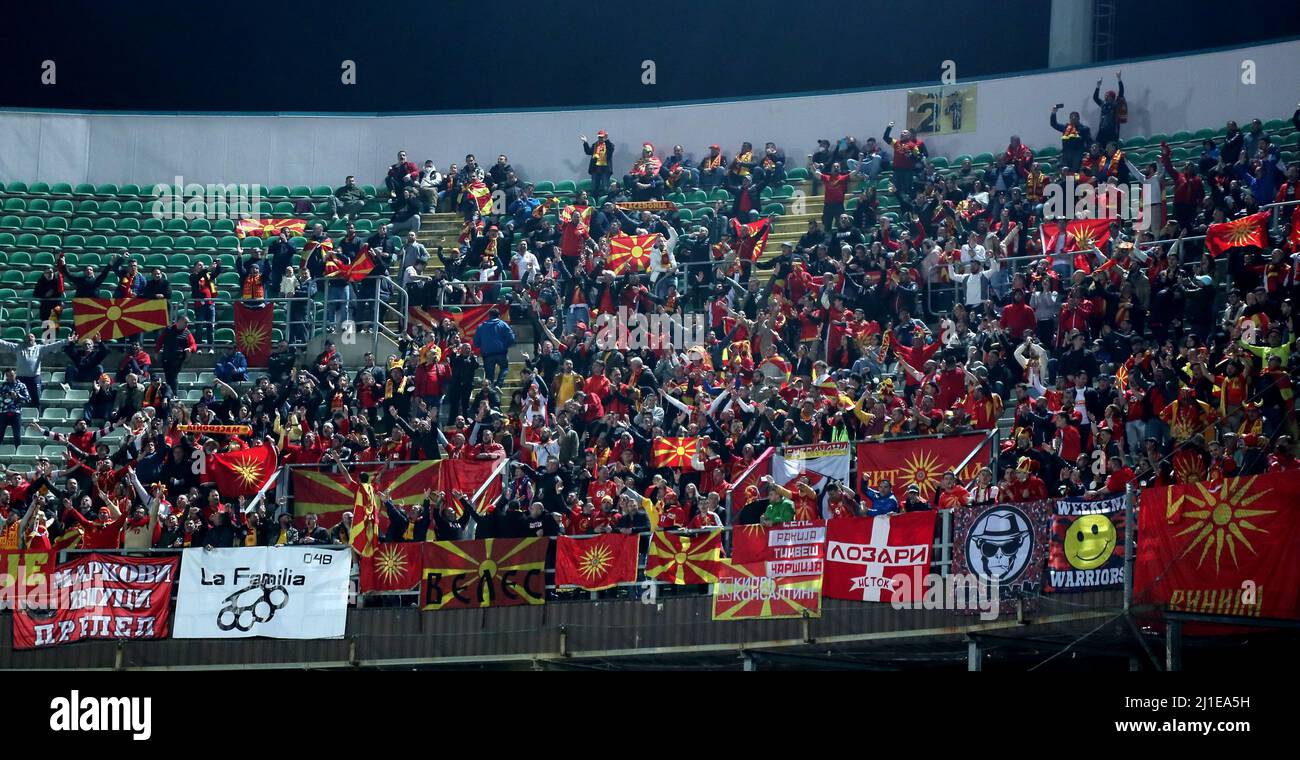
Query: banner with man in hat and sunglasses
point(1004, 544)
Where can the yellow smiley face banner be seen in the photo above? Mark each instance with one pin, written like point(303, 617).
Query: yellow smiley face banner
point(1087, 546)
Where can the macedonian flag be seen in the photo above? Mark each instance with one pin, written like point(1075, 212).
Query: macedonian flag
point(752, 238)
point(685, 558)
point(630, 253)
point(243, 472)
point(1081, 235)
point(357, 271)
point(364, 536)
point(393, 567)
point(116, 318)
point(268, 227)
point(496, 572)
point(481, 196)
point(674, 452)
point(253, 333)
point(1248, 231)
point(596, 563)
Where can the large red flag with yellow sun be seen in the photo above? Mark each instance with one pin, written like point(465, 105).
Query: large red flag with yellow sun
point(243, 472)
point(630, 253)
point(1248, 231)
point(1224, 547)
point(596, 563)
point(253, 333)
point(674, 452)
point(116, 318)
point(1081, 235)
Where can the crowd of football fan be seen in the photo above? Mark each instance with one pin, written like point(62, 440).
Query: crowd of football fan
point(1137, 370)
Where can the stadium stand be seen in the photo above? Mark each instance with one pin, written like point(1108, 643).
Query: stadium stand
point(874, 292)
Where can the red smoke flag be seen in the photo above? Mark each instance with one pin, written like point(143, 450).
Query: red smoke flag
point(482, 197)
point(674, 452)
point(596, 563)
point(752, 237)
point(393, 567)
point(269, 227)
point(243, 472)
point(1249, 231)
point(873, 559)
point(357, 271)
point(364, 536)
point(684, 558)
point(630, 253)
point(1081, 235)
point(920, 462)
point(467, 320)
point(253, 333)
point(1226, 547)
point(117, 318)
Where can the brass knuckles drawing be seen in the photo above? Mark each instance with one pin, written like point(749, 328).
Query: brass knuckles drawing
point(260, 610)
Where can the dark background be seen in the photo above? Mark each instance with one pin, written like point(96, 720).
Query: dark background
point(457, 55)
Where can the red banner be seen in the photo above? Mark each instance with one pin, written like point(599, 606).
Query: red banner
point(870, 559)
point(742, 592)
point(243, 472)
point(497, 572)
point(919, 461)
point(216, 429)
point(684, 558)
point(357, 271)
point(1248, 231)
point(393, 567)
point(102, 597)
point(793, 549)
point(1226, 547)
point(469, 476)
point(253, 333)
point(596, 563)
point(24, 577)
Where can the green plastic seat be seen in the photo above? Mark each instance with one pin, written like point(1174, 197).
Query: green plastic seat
point(140, 242)
point(130, 191)
point(162, 242)
point(7, 240)
point(10, 222)
point(85, 188)
point(320, 191)
point(773, 208)
point(15, 205)
point(39, 188)
point(80, 224)
point(130, 224)
point(105, 224)
point(797, 174)
point(545, 187)
point(184, 243)
point(118, 242)
point(224, 225)
point(33, 223)
point(97, 243)
point(88, 207)
point(106, 189)
point(38, 206)
point(283, 209)
point(567, 186)
point(17, 187)
point(205, 243)
point(20, 259)
point(176, 225)
point(50, 242)
point(200, 225)
point(277, 191)
point(151, 224)
point(74, 242)
point(61, 189)
point(133, 208)
point(940, 162)
point(29, 240)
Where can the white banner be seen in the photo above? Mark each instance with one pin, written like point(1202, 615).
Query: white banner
point(290, 592)
point(819, 461)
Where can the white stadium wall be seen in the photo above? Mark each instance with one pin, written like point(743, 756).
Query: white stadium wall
point(1165, 95)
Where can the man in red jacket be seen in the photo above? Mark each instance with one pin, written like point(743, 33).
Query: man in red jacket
point(1018, 316)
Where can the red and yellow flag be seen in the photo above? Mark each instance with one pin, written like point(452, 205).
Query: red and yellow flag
point(328, 496)
point(1081, 235)
point(364, 536)
point(583, 214)
point(674, 452)
point(393, 567)
point(745, 592)
point(253, 333)
point(921, 462)
point(117, 318)
point(630, 253)
point(356, 271)
point(268, 227)
point(243, 472)
point(752, 237)
point(482, 197)
point(1249, 231)
point(596, 563)
point(467, 319)
point(496, 572)
point(684, 558)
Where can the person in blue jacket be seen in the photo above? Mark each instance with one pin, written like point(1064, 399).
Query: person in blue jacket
point(883, 501)
point(493, 339)
point(233, 368)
